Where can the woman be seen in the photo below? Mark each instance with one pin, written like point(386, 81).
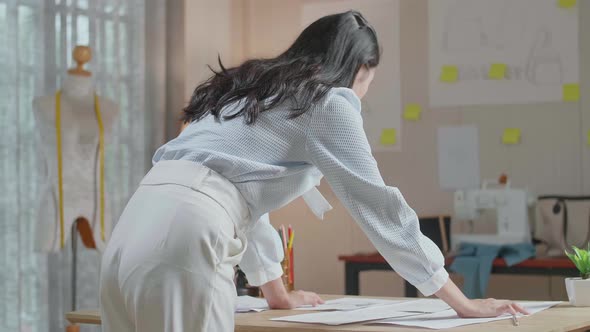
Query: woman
point(260, 135)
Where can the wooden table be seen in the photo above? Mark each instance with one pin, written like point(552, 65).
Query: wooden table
point(557, 319)
point(355, 264)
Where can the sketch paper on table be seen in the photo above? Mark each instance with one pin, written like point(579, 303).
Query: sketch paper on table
point(536, 40)
point(349, 303)
point(423, 306)
point(448, 318)
point(347, 317)
point(249, 303)
point(378, 309)
point(381, 107)
point(458, 158)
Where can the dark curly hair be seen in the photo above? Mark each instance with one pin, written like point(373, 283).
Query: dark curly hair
point(327, 54)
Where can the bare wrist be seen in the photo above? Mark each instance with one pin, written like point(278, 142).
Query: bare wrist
point(281, 302)
point(453, 296)
point(465, 309)
point(276, 295)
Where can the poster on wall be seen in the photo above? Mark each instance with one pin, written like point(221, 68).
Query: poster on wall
point(381, 107)
point(502, 51)
point(458, 157)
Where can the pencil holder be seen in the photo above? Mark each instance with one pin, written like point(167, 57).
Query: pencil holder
point(287, 265)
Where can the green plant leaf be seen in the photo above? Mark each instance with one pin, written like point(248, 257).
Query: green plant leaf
point(581, 259)
point(585, 260)
point(574, 259)
point(577, 251)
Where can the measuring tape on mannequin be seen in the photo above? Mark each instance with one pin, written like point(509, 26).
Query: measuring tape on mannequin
point(60, 165)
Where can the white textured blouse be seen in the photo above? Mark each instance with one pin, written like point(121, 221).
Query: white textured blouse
point(278, 159)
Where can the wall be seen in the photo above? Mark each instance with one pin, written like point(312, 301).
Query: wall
point(197, 32)
point(211, 29)
point(552, 158)
point(175, 64)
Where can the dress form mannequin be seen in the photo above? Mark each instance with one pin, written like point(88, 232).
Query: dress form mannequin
point(80, 159)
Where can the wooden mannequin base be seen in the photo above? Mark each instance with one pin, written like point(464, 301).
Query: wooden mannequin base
point(73, 328)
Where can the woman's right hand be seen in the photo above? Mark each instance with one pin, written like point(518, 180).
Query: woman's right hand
point(465, 307)
point(490, 308)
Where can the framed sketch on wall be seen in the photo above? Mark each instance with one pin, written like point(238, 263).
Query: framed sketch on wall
point(502, 52)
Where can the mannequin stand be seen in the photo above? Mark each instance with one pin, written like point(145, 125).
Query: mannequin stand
point(82, 226)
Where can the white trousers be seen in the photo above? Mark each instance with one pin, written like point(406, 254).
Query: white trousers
point(169, 263)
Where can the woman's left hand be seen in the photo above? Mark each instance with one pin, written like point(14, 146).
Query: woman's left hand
point(278, 298)
point(299, 298)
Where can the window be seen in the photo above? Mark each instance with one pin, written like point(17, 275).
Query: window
point(37, 38)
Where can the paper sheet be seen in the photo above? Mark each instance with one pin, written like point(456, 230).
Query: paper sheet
point(567, 3)
point(347, 317)
point(423, 306)
point(449, 74)
point(349, 303)
point(412, 112)
point(458, 157)
point(511, 136)
point(448, 318)
point(536, 40)
point(571, 92)
point(249, 303)
point(388, 136)
point(497, 71)
point(254, 304)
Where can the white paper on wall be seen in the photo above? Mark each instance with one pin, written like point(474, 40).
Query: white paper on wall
point(458, 158)
point(536, 40)
point(382, 104)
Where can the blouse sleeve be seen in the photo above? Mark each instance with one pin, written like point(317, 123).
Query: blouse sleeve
point(337, 145)
point(263, 256)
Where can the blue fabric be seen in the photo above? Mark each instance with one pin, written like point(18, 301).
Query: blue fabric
point(474, 262)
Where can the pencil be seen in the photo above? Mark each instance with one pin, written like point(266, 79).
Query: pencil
point(291, 267)
point(290, 244)
point(283, 233)
point(280, 234)
point(514, 320)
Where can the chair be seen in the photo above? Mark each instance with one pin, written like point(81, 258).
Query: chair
point(438, 229)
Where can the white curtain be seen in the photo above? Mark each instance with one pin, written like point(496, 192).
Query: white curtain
point(36, 40)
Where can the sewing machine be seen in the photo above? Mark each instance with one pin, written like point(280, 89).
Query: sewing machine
point(511, 207)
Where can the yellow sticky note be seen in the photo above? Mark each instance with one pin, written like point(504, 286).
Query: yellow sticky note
point(497, 71)
point(567, 3)
point(388, 136)
point(412, 112)
point(511, 136)
point(571, 92)
point(449, 74)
